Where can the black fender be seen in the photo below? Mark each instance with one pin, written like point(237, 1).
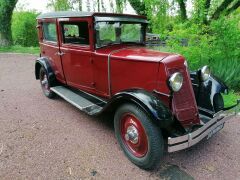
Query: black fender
point(44, 62)
point(205, 91)
point(149, 102)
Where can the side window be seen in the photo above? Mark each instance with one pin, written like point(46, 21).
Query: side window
point(75, 33)
point(49, 32)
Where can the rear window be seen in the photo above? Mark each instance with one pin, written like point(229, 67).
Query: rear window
point(49, 32)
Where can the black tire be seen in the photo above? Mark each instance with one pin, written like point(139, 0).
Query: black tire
point(45, 85)
point(218, 102)
point(153, 133)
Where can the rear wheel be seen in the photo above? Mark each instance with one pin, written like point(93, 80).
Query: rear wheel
point(140, 139)
point(44, 81)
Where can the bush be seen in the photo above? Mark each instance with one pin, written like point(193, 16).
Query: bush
point(24, 29)
point(217, 45)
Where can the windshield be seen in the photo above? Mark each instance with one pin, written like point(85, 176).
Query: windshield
point(108, 33)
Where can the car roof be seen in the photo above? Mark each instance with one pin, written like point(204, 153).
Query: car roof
point(69, 14)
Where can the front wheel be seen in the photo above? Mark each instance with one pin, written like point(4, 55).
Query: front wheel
point(140, 139)
point(44, 82)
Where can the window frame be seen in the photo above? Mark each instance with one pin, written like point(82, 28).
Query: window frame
point(144, 27)
point(62, 21)
point(43, 33)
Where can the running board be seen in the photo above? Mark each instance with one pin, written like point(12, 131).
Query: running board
point(79, 99)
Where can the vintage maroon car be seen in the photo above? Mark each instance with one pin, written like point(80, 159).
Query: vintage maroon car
point(98, 62)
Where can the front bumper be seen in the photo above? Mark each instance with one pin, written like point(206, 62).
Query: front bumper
point(207, 130)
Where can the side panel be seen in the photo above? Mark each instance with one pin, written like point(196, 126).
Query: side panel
point(100, 74)
point(127, 74)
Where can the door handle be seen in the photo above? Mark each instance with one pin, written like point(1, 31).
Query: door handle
point(60, 53)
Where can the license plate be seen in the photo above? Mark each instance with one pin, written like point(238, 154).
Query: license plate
point(214, 131)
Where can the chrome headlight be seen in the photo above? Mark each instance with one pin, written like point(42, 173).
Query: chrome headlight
point(205, 73)
point(176, 82)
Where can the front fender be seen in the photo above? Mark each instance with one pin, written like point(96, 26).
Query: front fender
point(150, 103)
point(44, 62)
point(205, 91)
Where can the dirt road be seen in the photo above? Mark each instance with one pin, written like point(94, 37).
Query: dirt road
point(50, 139)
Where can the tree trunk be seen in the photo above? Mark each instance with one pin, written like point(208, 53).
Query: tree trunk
point(221, 9)
point(183, 11)
point(103, 7)
point(206, 10)
point(88, 6)
point(233, 8)
point(6, 11)
point(138, 6)
point(98, 5)
point(119, 4)
point(80, 5)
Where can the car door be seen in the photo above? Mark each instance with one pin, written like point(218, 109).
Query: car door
point(76, 52)
point(49, 45)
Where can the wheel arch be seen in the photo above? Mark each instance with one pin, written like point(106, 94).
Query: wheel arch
point(148, 102)
point(44, 62)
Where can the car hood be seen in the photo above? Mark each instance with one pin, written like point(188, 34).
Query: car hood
point(139, 54)
point(136, 54)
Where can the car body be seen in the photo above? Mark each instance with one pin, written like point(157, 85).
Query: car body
point(99, 63)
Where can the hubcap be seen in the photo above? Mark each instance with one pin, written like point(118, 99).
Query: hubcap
point(133, 135)
point(44, 82)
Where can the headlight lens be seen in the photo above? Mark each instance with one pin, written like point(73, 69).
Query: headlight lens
point(205, 73)
point(176, 82)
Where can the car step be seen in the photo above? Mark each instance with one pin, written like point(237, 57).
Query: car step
point(83, 101)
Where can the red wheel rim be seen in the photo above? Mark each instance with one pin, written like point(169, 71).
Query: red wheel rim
point(134, 135)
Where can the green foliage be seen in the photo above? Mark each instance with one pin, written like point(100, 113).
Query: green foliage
point(157, 14)
point(217, 45)
point(24, 29)
point(60, 5)
point(230, 99)
point(20, 49)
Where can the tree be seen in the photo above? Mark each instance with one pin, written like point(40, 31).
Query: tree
point(223, 6)
point(119, 5)
point(183, 11)
point(233, 8)
point(88, 6)
point(6, 11)
point(59, 5)
point(139, 6)
point(103, 7)
point(76, 2)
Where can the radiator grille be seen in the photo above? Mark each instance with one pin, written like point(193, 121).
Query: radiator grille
point(184, 103)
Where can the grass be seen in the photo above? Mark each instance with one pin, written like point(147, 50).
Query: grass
point(230, 99)
point(20, 49)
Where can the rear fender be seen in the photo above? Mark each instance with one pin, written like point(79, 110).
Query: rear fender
point(44, 62)
point(151, 104)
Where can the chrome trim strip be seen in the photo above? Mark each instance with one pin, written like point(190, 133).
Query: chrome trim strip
point(164, 94)
point(109, 69)
point(188, 140)
point(205, 110)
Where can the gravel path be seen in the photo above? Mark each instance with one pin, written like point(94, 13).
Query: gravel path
point(50, 139)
